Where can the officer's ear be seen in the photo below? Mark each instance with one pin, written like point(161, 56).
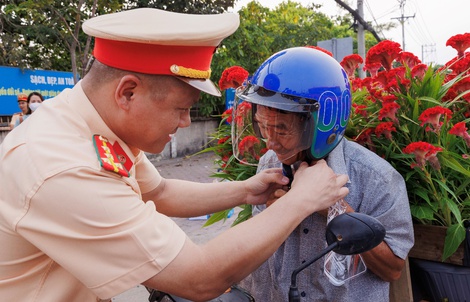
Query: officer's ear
point(125, 91)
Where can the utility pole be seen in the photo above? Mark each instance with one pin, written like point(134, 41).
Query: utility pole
point(425, 51)
point(361, 44)
point(402, 20)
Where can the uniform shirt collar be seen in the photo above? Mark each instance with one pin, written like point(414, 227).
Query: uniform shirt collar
point(83, 107)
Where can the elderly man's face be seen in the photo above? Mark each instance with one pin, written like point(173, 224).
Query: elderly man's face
point(282, 131)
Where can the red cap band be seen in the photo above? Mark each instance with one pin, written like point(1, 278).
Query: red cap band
point(151, 58)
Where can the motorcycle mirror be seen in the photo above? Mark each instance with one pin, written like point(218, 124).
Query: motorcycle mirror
point(354, 233)
point(346, 234)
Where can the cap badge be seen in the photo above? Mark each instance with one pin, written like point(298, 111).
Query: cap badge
point(107, 156)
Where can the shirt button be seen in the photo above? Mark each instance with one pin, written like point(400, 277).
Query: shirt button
point(303, 294)
point(305, 231)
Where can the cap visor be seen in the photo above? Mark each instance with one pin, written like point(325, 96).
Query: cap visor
point(205, 85)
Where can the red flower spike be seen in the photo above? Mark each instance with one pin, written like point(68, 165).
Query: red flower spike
point(432, 116)
point(423, 152)
point(248, 145)
point(386, 129)
point(242, 112)
point(351, 63)
point(389, 110)
point(320, 49)
point(364, 139)
point(233, 77)
point(418, 71)
point(360, 109)
point(384, 52)
point(460, 129)
point(389, 98)
point(460, 43)
point(458, 65)
point(372, 68)
point(462, 86)
point(408, 59)
point(228, 114)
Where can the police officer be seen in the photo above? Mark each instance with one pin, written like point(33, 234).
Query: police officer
point(84, 214)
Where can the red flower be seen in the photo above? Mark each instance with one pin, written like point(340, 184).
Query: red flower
point(360, 109)
point(364, 139)
point(228, 115)
point(382, 78)
point(233, 77)
point(372, 68)
point(408, 59)
point(247, 145)
point(458, 65)
point(460, 43)
point(389, 98)
point(433, 115)
point(419, 70)
point(242, 112)
point(320, 49)
point(222, 140)
point(384, 53)
point(351, 63)
point(386, 129)
point(460, 129)
point(463, 86)
point(389, 110)
point(424, 152)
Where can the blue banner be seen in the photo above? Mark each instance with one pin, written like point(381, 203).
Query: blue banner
point(14, 81)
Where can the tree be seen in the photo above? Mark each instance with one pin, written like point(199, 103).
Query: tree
point(46, 34)
point(263, 32)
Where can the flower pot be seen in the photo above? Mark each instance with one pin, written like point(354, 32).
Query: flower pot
point(429, 244)
point(431, 278)
point(439, 281)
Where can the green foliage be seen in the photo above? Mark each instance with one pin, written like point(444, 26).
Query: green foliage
point(436, 174)
point(229, 168)
point(263, 32)
point(46, 34)
point(187, 6)
point(49, 33)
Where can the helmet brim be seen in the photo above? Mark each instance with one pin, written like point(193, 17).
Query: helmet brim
point(258, 95)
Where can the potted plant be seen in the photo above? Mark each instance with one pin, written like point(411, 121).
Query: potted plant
point(416, 116)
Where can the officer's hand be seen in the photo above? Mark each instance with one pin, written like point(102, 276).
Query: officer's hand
point(276, 195)
point(317, 187)
point(262, 187)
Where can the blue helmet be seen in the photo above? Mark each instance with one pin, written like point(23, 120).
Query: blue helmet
point(307, 81)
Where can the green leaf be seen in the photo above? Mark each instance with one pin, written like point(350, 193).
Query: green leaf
point(454, 165)
point(422, 212)
point(222, 215)
point(454, 237)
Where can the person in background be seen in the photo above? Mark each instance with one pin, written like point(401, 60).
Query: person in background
point(85, 214)
point(35, 100)
point(19, 117)
point(301, 102)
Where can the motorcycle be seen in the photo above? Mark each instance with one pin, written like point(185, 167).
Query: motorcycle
point(346, 234)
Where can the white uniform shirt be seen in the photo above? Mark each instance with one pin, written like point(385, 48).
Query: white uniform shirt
point(69, 229)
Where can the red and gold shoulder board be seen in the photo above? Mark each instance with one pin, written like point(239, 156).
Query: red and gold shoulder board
point(107, 157)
